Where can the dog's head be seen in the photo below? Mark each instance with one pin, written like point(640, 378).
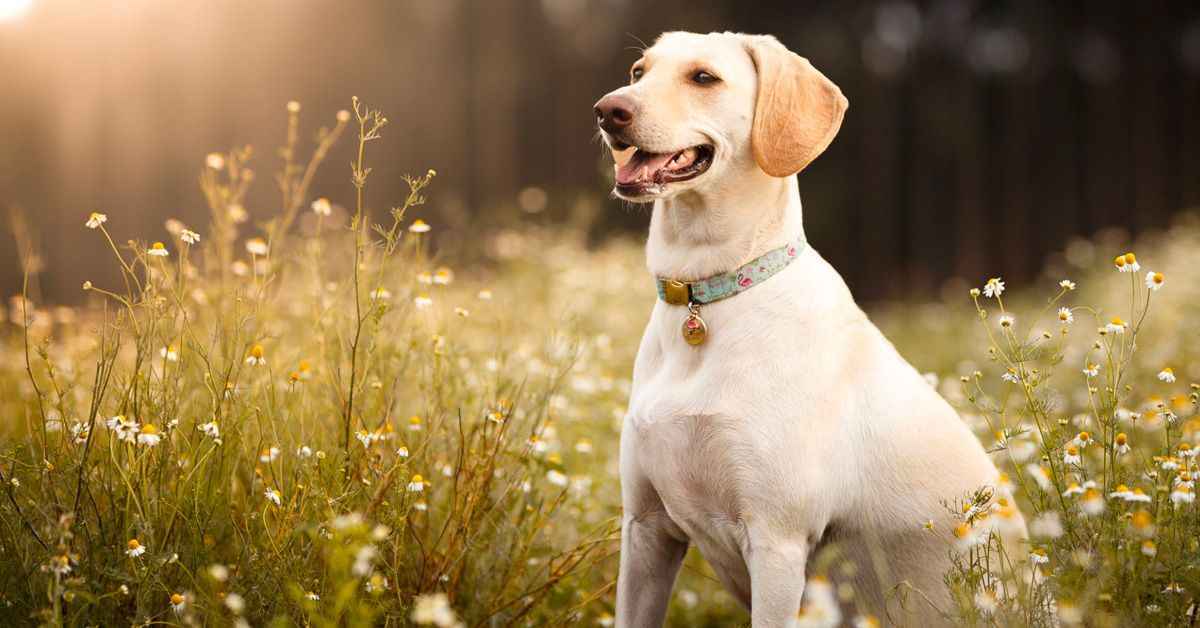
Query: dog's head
point(699, 107)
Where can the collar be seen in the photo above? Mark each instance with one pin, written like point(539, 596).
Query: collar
point(729, 283)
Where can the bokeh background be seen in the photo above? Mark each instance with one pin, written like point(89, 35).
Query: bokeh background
point(981, 136)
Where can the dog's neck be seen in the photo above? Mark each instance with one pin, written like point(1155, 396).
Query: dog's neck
point(700, 234)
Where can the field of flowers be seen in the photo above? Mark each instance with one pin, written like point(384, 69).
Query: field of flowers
point(316, 421)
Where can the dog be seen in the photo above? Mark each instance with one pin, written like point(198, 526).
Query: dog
point(777, 419)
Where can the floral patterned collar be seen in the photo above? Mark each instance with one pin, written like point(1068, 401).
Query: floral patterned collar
point(727, 284)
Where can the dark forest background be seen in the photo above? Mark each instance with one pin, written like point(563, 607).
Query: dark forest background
point(981, 136)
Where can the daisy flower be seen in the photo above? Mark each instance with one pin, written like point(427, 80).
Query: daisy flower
point(1039, 557)
point(149, 436)
point(462, 312)
point(1116, 326)
point(312, 596)
point(1091, 369)
point(158, 249)
point(189, 236)
point(965, 536)
point(216, 161)
point(419, 226)
point(1149, 548)
point(1006, 321)
point(1071, 456)
point(443, 276)
point(257, 246)
point(1073, 489)
point(125, 429)
point(134, 548)
point(1154, 281)
point(304, 451)
point(61, 564)
point(416, 484)
point(414, 423)
point(422, 301)
point(95, 220)
point(268, 455)
point(178, 603)
point(1065, 316)
point(322, 207)
point(1082, 439)
point(1067, 284)
point(993, 288)
point(433, 609)
point(1167, 375)
point(1047, 525)
point(1182, 494)
point(169, 353)
point(256, 356)
point(273, 496)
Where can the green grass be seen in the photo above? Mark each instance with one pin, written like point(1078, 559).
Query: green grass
point(339, 361)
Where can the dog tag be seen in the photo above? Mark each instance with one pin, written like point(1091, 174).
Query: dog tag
point(694, 329)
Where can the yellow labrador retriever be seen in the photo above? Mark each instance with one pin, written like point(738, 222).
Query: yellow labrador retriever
point(769, 417)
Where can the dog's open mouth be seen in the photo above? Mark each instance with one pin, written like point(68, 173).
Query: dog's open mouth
point(645, 172)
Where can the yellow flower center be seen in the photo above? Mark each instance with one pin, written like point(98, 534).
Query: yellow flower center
point(176, 599)
point(133, 544)
point(257, 351)
point(158, 246)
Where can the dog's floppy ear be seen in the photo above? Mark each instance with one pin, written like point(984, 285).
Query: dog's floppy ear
point(798, 110)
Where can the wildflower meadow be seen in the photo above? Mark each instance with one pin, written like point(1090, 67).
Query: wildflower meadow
point(318, 420)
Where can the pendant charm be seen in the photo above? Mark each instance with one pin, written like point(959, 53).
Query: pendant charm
point(694, 329)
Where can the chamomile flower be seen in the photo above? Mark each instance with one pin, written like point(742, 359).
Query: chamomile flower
point(380, 294)
point(414, 423)
point(126, 429)
point(417, 484)
point(1083, 439)
point(322, 207)
point(1092, 503)
point(1066, 284)
point(273, 496)
point(178, 603)
point(268, 455)
point(462, 312)
point(1091, 369)
point(235, 603)
point(556, 477)
point(419, 226)
point(422, 301)
point(210, 429)
point(993, 288)
point(189, 236)
point(216, 161)
point(1182, 494)
point(304, 451)
point(95, 220)
point(1116, 326)
point(1127, 263)
point(256, 356)
point(1167, 375)
point(443, 276)
point(1039, 557)
point(583, 446)
point(965, 536)
point(61, 564)
point(158, 249)
point(257, 246)
point(312, 596)
point(1121, 443)
point(149, 435)
point(1065, 316)
point(1149, 548)
point(1154, 281)
point(134, 548)
point(1071, 456)
point(1006, 321)
point(1046, 525)
point(170, 353)
point(1073, 489)
point(986, 601)
point(1040, 474)
point(433, 609)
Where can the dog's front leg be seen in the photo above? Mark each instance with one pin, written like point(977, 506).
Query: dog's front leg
point(650, 560)
point(776, 582)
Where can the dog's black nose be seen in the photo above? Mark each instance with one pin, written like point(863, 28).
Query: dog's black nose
point(614, 113)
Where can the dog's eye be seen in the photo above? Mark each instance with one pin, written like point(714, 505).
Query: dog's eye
point(704, 78)
point(636, 74)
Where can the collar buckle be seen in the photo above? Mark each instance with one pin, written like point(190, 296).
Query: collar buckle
point(676, 292)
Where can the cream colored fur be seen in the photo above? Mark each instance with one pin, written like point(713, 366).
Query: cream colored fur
point(797, 423)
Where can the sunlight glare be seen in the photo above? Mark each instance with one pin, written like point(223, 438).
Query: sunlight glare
point(13, 9)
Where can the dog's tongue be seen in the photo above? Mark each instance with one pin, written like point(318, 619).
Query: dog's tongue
point(641, 166)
